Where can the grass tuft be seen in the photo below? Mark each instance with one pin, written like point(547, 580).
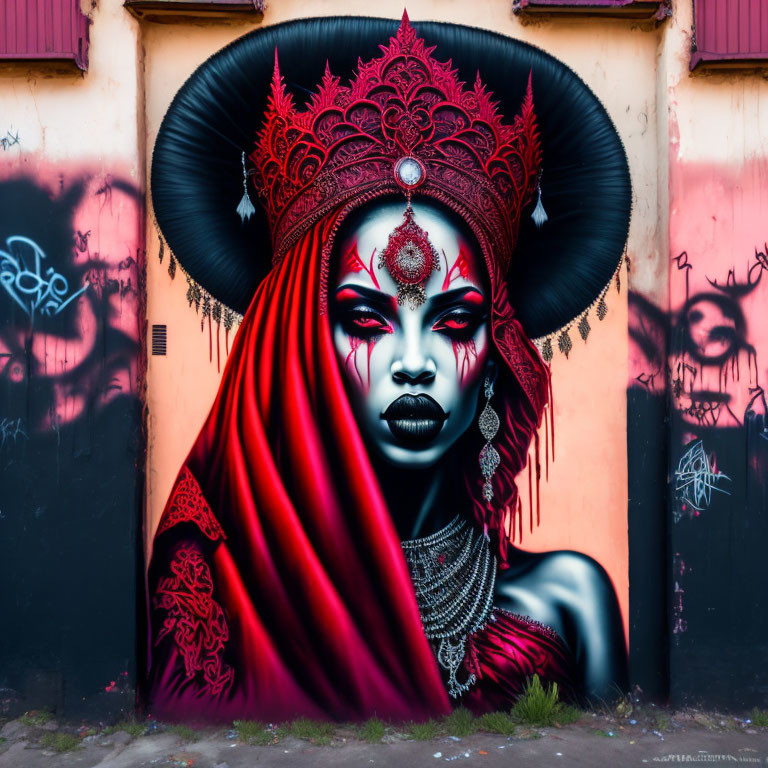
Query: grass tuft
point(253, 732)
point(372, 730)
point(661, 722)
point(313, 731)
point(423, 731)
point(540, 706)
point(566, 714)
point(59, 742)
point(184, 733)
point(36, 717)
point(461, 722)
point(759, 717)
point(496, 722)
point(132, 727)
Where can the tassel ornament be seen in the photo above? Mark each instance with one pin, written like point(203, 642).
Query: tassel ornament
point(539, 215)
point(245, 208)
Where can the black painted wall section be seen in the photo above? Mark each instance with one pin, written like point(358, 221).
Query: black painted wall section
point(720, 592)
point(648, 555)
point(70, 458)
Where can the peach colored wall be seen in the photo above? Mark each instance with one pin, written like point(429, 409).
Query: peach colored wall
point(584, 502)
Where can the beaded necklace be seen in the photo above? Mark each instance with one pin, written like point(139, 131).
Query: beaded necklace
point(454, 575)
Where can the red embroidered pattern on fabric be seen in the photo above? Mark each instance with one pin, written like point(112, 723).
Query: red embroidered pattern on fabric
point(517, 350)
point(188, 505)
point(197, 621)
point(347, 142)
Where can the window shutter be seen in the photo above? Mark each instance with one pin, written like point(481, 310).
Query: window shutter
point(40, 30)
point(730, 32)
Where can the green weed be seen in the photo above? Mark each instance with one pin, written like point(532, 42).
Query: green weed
point(184, 732)
point(372, 730)
point(661, 722)
point(314, 731)
point(759, 717)
point(132, 727)
point(253, 732)
point(423, 731)
point(59, 742)
point(566, 714)
point(539, 706)
point(496, 722)
point(36, 717)
point(461, 722)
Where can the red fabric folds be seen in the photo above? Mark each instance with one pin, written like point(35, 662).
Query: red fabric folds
point(315, 596)
point(506, 654)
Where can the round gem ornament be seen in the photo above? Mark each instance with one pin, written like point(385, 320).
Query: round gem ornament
point(409, 173)
point(410, 259)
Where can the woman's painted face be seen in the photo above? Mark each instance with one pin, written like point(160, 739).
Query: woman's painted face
point(413, 370)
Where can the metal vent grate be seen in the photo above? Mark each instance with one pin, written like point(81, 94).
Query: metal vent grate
point(159, 339)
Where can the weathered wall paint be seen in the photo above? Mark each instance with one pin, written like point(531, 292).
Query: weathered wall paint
point(71, 303)
point(698, 354)
point(69, 436)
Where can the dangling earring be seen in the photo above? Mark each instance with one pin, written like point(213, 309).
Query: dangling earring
point(489, 426)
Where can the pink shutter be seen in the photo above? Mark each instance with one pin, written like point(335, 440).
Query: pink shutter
point(44, 29)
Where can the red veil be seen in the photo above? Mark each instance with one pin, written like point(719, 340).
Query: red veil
point(277, 583)
point(279, 587)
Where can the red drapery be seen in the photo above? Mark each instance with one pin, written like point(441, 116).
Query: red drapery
point(301, 603)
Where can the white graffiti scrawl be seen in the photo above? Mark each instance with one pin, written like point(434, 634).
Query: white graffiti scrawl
point(33, 288)
point(695, 479)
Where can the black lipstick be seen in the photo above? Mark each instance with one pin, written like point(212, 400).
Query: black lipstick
point(415, 419)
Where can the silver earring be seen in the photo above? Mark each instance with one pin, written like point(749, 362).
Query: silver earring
point(489, 426)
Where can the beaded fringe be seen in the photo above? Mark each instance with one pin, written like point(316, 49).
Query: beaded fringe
point(205, 305)
point(562, 337)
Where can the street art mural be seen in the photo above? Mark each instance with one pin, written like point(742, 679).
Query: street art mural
point(69, 436)
point(703, 362)
point(343, 538)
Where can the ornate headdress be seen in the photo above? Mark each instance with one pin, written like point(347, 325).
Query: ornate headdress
point(405, 123)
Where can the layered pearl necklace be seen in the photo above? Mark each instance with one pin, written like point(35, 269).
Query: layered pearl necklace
point(454, 575)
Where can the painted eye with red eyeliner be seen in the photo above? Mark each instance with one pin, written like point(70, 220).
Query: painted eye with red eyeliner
point(365, 323)
point(458, 324)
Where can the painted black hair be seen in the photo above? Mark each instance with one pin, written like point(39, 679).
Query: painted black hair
point(196, 183)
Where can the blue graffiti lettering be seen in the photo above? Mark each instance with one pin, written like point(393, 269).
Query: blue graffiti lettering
point(33, 289)
point(696, 478)
point(11, 430)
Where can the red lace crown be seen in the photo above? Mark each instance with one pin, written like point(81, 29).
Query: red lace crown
point(404, 123)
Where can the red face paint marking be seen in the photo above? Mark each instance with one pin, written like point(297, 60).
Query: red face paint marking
point(352, 262)
point(355, 343)
point(459, 269)
point(467, 351)
point(473, 296)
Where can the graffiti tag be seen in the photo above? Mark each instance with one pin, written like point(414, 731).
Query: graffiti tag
point(9, 140)
point(11, 430)
point(25, 281)
point(696, 478)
